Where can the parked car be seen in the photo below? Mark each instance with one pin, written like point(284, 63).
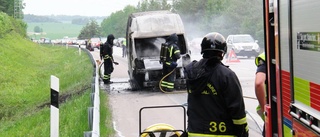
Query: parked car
point(243, 45)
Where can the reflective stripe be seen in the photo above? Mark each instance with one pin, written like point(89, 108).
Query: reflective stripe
point(171, 87)
point(171, 51)
point(164, 85)
point(176, 51)
point(207, 135)
point(106, 77)
point(168, 63)
point(170, 83)
point(106, 57)
point(240, 121)
point(164, 82)
point(167, 84)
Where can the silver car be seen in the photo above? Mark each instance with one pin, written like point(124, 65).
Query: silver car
point(243, 45)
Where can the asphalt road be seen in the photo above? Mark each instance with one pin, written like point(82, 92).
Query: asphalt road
point(126, 104)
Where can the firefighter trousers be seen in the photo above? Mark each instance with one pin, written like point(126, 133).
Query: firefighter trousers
point(108, 69)
point(168, 82)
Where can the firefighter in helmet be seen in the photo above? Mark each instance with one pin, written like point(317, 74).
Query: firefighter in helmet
point(259, 85)
point(106, 51)
point(215, 102)
point(172, 54)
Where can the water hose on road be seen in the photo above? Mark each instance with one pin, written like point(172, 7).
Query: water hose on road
point(100, 65)
point(162, 90)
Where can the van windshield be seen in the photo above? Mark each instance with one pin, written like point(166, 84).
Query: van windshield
point(149, 47)
point(243, 39)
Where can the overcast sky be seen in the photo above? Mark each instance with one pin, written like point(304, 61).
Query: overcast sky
point(76, 7)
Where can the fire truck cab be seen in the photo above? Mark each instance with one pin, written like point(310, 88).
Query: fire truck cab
point(292, 48)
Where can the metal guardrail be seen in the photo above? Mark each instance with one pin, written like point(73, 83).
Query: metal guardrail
point(94, 109)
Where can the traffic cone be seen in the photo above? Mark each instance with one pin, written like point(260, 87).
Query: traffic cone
point(232, 57)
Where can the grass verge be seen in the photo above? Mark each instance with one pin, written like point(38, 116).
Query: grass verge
point(25, 71)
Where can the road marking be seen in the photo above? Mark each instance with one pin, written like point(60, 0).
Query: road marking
point(115, 128)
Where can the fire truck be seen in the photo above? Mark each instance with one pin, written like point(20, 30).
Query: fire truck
point(292, 49)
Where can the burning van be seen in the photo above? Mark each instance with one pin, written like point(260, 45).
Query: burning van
point(146, 31)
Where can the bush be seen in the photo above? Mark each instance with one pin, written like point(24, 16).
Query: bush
point(9, 24)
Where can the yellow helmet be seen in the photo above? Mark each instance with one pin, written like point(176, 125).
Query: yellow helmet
point(262, 56)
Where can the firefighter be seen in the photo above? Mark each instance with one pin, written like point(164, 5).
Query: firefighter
point(124, 48)
point(259, 85)
point(106, 51)
point(172, 54)
point(89, 46)
point(215, 102)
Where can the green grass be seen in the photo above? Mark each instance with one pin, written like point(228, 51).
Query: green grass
point(25, 71)
point(55, 30)
point(106, 128)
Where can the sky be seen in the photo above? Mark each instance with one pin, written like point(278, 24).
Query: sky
point(76, 7)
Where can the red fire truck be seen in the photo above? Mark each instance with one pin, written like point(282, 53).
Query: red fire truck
point(292, 47)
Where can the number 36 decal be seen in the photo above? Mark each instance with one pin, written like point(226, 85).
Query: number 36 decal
point(214, 127)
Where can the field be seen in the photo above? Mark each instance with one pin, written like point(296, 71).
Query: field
point(55, 30)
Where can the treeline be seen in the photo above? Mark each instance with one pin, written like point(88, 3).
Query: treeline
point(34, 18)
point(76, 19)
point(7, 6)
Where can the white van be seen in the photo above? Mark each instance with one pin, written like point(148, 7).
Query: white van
point(146, 31)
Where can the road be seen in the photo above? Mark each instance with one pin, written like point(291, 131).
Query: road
point(126, 104)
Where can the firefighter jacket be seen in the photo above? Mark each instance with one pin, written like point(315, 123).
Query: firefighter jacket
point(106, 51)
point(215, 101)
point(172, 55)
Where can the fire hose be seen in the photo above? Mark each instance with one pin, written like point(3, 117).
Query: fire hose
point(162, 90)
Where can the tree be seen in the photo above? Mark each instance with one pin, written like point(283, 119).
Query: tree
point(6, 6)
point(165, 5)
point(37, 29)
point(151, 5)
point(116, 23)
point(92, 29)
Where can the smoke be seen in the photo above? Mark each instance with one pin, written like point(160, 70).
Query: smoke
point(192, 25)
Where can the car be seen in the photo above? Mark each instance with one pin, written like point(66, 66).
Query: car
point(243, 45)
point(95, 43)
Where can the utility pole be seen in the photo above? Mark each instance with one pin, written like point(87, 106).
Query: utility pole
point(17, 13)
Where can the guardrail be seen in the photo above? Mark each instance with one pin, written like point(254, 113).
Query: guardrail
point(94, 109)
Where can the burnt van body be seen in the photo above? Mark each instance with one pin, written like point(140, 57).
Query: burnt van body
point(146, 31)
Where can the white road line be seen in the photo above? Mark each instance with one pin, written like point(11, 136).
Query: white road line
point(115, 128)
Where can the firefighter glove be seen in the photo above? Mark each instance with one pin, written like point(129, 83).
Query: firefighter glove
point(173, 64)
